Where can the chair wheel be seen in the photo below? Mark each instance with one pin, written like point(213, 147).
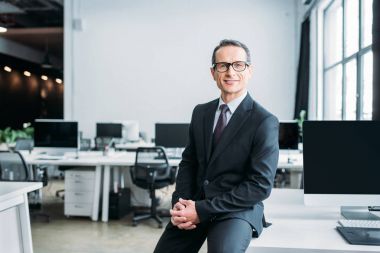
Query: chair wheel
point(134, 224)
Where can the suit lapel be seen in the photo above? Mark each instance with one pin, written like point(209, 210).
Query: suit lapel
point(236, 122)
point(208, 123)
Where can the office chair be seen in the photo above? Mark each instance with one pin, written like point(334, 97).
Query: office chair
point(85, 144)
point(27, 145)
point(24, 144)
point(14, 168)
point(282, 179)
point(151, 171)
point(102, 142)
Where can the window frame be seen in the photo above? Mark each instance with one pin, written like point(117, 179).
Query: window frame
point(358, 55)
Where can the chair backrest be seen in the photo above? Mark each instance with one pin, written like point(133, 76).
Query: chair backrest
point(13, 167)
point(24, 144)
point(102, 142)
point(85, 144)
point(151, 165)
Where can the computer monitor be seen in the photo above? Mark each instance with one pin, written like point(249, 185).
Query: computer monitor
point(109, 130)
point(288, 135)
point(55, 137)
point(172, 135)
point(341, 163)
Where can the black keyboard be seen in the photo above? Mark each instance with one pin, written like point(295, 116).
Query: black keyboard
point(174, 157)
point(361, 236)
point(169, 157)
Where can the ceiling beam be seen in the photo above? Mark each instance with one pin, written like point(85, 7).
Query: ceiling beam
point(30, 31)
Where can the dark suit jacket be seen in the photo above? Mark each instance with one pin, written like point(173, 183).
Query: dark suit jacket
point(232, 180)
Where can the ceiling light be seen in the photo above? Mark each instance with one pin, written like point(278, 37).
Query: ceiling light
point(27, 73)
point(58, 80)
point(43, 77)
point(8, 69)
point(46, 64)
point(3, 29)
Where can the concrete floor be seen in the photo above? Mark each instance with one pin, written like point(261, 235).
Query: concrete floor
point(81, 235)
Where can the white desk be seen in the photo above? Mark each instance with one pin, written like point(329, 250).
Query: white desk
point(293, 161)
point(128, 159)
point(85, 159)
point(290, 160)
point(299, 229)
point(100, 162)
point(15, 233)
point(133, 145)
point(120, 159)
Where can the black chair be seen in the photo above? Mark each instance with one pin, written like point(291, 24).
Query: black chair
point(14, 168)
point(151, 171)
point(102, 142)
point(24, 144)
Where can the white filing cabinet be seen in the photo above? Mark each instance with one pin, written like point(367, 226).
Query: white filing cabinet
point(79, 192)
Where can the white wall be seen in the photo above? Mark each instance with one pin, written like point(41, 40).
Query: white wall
point(149, 60)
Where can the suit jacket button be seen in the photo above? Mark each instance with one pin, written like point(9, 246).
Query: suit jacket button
point(206, 182)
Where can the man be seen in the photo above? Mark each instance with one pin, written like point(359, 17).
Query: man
point(228, 165)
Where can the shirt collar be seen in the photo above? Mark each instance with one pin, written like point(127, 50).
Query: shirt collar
point(233, 104)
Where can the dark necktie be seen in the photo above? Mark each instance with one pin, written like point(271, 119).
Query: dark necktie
point(221, 124)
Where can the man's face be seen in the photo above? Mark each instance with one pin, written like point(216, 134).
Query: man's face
point(231, 83)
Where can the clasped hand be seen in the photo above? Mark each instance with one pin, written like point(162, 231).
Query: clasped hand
point(184, 214)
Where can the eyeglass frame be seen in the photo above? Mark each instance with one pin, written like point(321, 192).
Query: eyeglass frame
point(229, 65)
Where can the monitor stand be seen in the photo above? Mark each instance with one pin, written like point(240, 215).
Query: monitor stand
point(357, 213)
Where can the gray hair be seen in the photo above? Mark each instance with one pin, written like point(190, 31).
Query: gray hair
point(235, 43)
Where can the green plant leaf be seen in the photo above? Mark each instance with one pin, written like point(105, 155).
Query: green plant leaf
point(9, 135)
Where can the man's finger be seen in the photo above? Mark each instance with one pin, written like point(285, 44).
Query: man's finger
point(185, 225)
point(178, 219)
point(176, 213)
point(191, 227)
point(171, 211)
point(179, 206)
point(174, 222)
point(185, 202)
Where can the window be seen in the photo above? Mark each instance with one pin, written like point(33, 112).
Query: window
point(347, 60)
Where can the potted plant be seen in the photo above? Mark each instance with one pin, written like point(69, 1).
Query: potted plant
point(300, 121)
point(9, 136)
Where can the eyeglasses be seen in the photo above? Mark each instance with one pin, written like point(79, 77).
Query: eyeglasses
point(238, 66)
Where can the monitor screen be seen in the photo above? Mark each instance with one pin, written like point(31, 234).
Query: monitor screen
point(172, 135)
point(288, 135)
point(55, 134)
point(342, 161)
point(112, 130)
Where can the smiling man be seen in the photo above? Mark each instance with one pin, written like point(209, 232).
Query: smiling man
point(228, 165)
